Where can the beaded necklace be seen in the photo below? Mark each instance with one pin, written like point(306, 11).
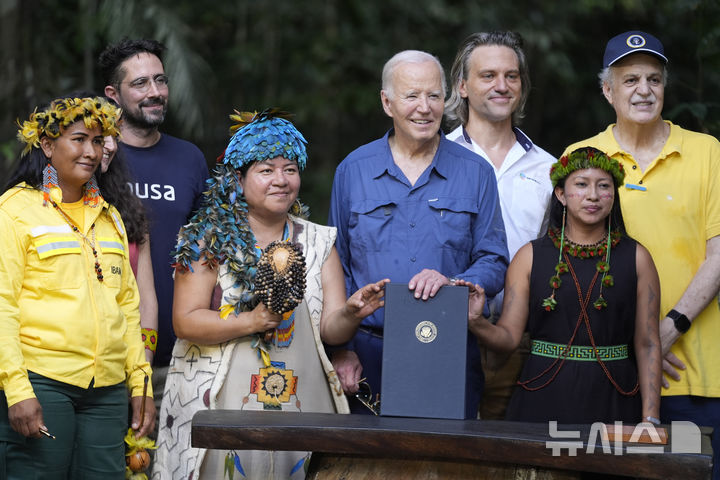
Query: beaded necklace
point(283, 334)
point(600, 250)
point(579, 250)
point(583, 318)
point(90, 242)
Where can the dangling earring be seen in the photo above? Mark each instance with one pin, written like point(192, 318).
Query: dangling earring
point(49, 182)
point(299, 209)
point(91, 194)
point(562, 231)
point(550, 303)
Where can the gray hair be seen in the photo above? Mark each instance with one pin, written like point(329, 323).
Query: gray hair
point(456, 107)
point(408, 56)
point(606, 76)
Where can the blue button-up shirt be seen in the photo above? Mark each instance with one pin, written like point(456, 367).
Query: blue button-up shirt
point(449, 221)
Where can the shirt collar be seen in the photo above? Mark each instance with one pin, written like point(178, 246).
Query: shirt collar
point(386, 163)
point(608, 144)
point(674, 141)
point(523, 139)
point(466, 136)
point(611, 147)
point(520, 136)
point(440, 163)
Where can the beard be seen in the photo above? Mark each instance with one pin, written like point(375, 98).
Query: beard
point(141, 119)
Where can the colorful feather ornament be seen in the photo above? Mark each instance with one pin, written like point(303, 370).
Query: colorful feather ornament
point(52, 192)
point(50, 186)
point(219, 233)
point(136, 456)
point(232, 463)
point(265, 135)
point(303, 462)
point(93, 111)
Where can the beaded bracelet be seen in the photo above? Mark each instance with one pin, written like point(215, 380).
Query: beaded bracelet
point(149, 337)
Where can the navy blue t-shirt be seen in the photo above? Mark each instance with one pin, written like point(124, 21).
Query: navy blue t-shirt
point(169, 179)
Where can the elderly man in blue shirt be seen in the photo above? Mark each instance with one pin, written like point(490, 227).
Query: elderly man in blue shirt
point(417, 208)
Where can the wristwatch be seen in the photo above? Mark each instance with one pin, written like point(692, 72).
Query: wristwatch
point(682, 324)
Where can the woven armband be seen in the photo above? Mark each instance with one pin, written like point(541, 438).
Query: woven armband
point(149, 337)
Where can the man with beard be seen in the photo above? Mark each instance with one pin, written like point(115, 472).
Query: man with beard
point(169, 173)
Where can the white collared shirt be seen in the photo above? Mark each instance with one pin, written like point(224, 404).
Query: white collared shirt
point(524, 186)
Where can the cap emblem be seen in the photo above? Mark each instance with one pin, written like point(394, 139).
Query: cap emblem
point(635, 41)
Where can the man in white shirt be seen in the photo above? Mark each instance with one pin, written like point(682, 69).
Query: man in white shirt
point(490, 85)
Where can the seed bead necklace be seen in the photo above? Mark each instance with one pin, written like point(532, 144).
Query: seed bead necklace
point(91, 243)
point(583, 317)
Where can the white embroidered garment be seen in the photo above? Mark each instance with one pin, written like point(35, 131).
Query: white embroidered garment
point(198, 373)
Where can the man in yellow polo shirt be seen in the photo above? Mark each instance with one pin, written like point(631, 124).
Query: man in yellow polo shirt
point(671, 204)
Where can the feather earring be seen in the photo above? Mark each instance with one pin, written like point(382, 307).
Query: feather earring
point(91, 193)
point(49, 183)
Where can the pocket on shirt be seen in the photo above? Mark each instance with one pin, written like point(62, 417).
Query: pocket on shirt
point(60, 263)
point(453, 219)
point(113, 255)
point(370, 224)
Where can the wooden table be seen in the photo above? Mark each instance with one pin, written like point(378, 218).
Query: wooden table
point(363, 446)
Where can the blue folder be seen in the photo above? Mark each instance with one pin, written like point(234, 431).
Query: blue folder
point(424, 353)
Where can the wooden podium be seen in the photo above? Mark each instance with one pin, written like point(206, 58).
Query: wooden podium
point(363, 447)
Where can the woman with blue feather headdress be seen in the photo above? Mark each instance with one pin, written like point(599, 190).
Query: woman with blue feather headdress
point(234, 349)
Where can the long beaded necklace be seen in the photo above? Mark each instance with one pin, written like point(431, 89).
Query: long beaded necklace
point(600, 250)
point(583, 318)
point(90, 242)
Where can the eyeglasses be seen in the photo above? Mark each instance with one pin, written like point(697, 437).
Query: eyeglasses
point(364, 396)
point(142, 84)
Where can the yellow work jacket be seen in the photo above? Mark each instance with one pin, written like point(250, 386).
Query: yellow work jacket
point(56, 318)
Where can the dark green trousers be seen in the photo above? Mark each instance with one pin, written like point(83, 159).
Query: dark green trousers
point(89, 426)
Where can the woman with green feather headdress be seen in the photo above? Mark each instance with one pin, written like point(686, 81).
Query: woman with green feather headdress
point(589, 297)
point(258, 289)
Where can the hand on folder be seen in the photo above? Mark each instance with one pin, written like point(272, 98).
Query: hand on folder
point(476, 304)
point(427, 283)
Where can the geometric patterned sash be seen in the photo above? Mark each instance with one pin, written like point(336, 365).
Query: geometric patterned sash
point(579, 352)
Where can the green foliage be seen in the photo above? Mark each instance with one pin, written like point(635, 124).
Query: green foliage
point(321, 59)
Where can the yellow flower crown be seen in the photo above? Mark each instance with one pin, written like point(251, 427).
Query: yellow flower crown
point(63, 112)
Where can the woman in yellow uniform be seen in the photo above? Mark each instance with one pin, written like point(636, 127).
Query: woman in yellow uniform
point(69, 324)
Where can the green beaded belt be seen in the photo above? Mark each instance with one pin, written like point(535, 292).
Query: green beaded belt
point(578, 352)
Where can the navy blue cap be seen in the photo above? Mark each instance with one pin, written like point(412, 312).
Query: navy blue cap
point(634, 41)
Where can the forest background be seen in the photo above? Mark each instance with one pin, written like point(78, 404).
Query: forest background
point(321, 60)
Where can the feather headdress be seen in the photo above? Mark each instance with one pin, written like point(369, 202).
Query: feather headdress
point(264, 135)
point(63, 112)
point(583, 158)
point(219, 231)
